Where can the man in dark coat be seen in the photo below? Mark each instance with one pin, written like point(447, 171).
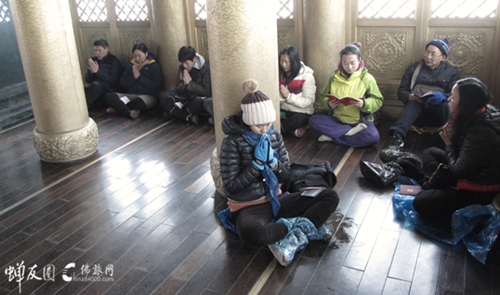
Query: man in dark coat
point(103, 74)
point(424, 90)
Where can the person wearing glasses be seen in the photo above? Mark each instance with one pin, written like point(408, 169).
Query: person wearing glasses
point(424, 90)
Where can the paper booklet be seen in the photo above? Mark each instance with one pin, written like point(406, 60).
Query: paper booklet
point(344, 100)
point(125, 99)
point(424, 96)
point(311, 191)
point(409, 189)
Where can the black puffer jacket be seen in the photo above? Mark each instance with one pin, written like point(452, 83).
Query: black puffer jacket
point(110, 69)
point(444, 76)
point(242, 181)
point(477, 158)
point(149, 82)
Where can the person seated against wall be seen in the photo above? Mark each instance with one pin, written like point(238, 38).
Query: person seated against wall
point(103, 74)
point(192, 90)
point(141, 83)
point(298, 90)
point(359, 97)
point(472, 139)
point(431, 74)
point(253, 159)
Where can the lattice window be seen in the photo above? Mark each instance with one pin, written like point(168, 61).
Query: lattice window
point(387, 8)
point(464, 9)
point(285, 9)
point(200, 9)
point(131, 10)
point(92, 10)
point(5, 16)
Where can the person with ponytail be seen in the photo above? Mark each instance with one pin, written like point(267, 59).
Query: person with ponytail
point(472, 139)
point(253, 161)
point(297, 92)
point(351, 122)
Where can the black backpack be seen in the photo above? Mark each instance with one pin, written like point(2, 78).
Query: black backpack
point(309, 174)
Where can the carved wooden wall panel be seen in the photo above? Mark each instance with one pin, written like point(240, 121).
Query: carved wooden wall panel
point(202, 43)
point(286, 36)
point(387, 51)
point(471, 50)
point(89, 36)
point(128, 37)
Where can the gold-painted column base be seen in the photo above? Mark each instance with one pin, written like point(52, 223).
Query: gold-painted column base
point(69, 146)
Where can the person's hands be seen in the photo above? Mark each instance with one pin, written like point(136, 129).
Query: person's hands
point(136, 72)
point(93, 66)
point(446, 135)
point(333, 104)
point(436, 99)
point(413, 97)
point(261, 152)
point(284, 91)
point(357, 102)
point(271, 160)
point(186, 77)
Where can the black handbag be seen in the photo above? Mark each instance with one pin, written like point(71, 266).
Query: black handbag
point(440, 178)
point(309, 175)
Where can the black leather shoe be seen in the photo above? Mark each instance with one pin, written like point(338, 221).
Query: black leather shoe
point(381, 175)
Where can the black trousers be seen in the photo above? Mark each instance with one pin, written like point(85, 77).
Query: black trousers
point(113, 100)
point(192, 107)
point(95, 92)
point(293, 121)
point(415, 113)
point(252, 222)
point(441, 203)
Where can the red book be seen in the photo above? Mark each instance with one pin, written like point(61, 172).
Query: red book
point(344, 100)
point(410, 189)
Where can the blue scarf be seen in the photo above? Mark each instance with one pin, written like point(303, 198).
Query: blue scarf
point(271, 181)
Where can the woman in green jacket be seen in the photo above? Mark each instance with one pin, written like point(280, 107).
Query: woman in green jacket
point(353, 96)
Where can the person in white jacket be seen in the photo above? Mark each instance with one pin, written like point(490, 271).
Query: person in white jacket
point(298, 90)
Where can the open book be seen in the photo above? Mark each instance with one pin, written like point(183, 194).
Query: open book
point(344, 100)
point(424, 96)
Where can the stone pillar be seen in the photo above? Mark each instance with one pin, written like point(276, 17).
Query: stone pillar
point(169, 19)
point(324, 37)
point(64, 132)
point(242, 42)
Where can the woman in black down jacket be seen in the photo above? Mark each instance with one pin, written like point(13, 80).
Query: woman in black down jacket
point(252, 151)
point(472, 138)
point(141, 83)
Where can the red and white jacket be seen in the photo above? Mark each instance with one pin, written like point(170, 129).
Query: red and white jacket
point(302, 92)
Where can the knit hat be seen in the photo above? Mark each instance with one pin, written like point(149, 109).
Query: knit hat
point(442, 44)
point(257, 108)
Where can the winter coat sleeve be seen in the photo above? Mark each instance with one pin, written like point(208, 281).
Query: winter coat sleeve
point(203, 87)
point(153, 80)
point(404, 89)
point(306, 98)
point(127, 78)
point(373, 97)
point(323, 98)
point(467, 161)
point(112, 75)
point(236, 178)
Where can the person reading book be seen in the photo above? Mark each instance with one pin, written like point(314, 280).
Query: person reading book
point(424, 89)
point(351, 121)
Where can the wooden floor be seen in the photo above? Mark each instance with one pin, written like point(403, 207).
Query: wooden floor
point(140, 217)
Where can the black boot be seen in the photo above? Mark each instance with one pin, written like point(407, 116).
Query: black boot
point(381, 175)
point(412, 167)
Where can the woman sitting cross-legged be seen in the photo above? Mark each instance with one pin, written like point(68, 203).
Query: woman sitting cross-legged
point(352, 120)
point(297, 90)
point(253, 160)
point(141, 83)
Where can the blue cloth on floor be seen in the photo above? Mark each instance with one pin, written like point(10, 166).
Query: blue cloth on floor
point(477, 226)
